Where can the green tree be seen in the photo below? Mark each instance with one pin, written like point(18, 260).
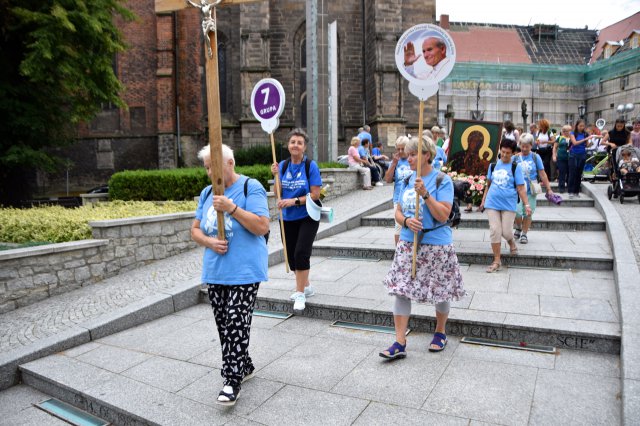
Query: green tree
point(56, 68)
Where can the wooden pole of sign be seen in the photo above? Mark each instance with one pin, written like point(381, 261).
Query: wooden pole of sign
point(215, 128)
point(277, 186)
point(418, 174)
point(208, 10)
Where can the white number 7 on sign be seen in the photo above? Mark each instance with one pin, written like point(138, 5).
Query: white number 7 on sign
point(265, 92)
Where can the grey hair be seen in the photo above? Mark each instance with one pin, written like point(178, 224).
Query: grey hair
point(227, 153)
point(428, 146)
point(526, 138)
point(439, 42)
point(402, 140)
point(298, 131)
point(427, 133)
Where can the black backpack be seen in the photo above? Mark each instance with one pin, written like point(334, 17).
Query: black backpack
point(246, 187)
point(454, 215)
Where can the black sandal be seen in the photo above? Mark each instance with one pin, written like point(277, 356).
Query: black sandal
point(226, 398)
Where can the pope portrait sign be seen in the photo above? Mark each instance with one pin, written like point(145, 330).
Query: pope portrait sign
point(425, 55)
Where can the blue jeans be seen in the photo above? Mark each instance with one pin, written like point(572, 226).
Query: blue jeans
point(576, 167)
point(563, 170)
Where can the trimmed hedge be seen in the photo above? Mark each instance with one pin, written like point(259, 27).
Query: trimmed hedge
point(171, 184)
point(179, 184)
point(55, 224)
point(259, 154)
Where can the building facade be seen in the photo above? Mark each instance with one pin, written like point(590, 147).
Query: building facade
point(498, 67)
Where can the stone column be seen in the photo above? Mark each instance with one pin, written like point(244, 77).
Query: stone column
point(255, 64)
point(318, 78)
point(167, 154)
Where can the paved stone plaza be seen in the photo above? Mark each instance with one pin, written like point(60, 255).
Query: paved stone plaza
point(141, 347)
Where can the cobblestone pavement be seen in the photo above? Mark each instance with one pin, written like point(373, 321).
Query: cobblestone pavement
point(48, 317)
point(630, 214)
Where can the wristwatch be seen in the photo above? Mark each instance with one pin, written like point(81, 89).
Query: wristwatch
point(297, 201)
point(426, 196)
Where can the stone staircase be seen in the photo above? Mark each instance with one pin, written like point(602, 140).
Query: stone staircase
point(559, 290)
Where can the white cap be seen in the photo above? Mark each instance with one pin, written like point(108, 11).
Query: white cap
point(314, 208)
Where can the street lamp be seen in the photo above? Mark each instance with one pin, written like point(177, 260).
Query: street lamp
point(524, 113)
point(582, 109)
point(624, 109)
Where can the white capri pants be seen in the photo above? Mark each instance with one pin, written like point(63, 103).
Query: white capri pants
point(397, 227)
point(501, 224)
point(364, 171)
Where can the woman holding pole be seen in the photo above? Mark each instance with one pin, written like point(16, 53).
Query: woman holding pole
point(300, 183)
point(438, 279)
point(233, 266)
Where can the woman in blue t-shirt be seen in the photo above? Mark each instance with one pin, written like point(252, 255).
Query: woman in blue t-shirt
point(577, 157)
point(505, 182)
point(399, 169)
point(438, 279)
point(532, 168)
point(232, 267)
point(300, 184)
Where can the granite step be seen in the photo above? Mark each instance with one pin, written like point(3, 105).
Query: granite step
point(574, 309)
point(585, 250)
point(167, 372)
point(113, 397)
point(546, 218)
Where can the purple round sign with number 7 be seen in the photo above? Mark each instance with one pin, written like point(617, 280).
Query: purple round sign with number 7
point(267, 103)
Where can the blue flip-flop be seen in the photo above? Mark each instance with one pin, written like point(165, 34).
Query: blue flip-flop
point(440, 340)
point(395, 351)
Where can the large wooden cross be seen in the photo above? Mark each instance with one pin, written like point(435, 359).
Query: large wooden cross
point(208, 9)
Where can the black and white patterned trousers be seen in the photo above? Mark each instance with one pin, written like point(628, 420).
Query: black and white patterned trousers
point(233, 309)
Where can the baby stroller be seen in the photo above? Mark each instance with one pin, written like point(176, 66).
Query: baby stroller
point(596, 168)
point(627, 185)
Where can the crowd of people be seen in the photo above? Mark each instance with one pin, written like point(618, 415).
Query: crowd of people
point(423, 197)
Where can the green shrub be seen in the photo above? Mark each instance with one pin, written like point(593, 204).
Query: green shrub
point(55, 224)
point(331, 165)
point(259, 154)
point(179, 184)
point(171, 184)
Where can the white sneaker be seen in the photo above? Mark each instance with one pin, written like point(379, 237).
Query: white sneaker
point(308, 292)
point(299, 302)
point(379, 183)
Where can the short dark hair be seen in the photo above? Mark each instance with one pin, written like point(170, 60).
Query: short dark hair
point(298, 131)
point(509, 144)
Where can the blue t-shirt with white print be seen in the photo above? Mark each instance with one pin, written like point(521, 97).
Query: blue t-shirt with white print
point(530, 164)
point(441, 236)
point(402, 171)
point(246, 261)
point(440, 159)
point(502, 193)
point(294, 184)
